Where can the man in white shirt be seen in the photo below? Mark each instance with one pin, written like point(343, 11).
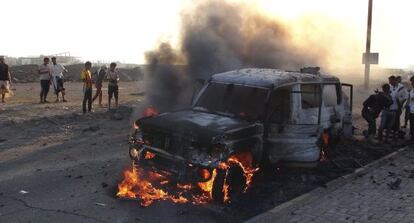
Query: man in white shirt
point(399, 95)
point(112, 76)
point(58, 78)
point(44, 72)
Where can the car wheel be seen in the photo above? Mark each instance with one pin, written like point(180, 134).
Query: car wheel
point(234, 178)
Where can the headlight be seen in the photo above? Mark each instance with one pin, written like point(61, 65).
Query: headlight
point(134, 152)
point(204, 174)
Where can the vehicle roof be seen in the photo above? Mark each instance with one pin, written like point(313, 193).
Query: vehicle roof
point(270, 78)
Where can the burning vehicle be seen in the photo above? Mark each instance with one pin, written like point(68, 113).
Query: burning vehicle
point(241, 120)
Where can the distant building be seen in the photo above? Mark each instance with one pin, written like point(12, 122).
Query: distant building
point(62, 58)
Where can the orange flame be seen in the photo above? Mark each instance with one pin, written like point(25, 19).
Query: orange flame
point(325, 143)
point(149, 155)
point(135, 185)
point(146, 185)
point(150, 111)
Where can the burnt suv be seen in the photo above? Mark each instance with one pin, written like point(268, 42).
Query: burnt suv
point(250, 116)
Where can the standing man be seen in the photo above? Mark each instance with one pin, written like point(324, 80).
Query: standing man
point(411, 105)
point(44, 72)
point(99, 77)
point(5, 79)
point(86, 77)
point(113, 77)
point(57, 78)
point(399, 95)
point(373, 107)
point(388, 115)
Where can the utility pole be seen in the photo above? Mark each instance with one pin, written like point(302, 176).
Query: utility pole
point(368, 46)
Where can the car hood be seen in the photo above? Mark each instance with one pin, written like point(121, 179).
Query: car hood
point(197, 125)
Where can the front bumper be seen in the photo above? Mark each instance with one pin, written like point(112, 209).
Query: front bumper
point(160, 161)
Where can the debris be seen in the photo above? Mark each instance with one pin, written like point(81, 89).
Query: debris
point(411, 176)
point(391, 174)
point(3, 140)
point(23, 192)
point(392, 164)
point(79, 177)
point(100, 204)
point(104, 185)
point(182, 212)
point(116, 116)
point(395, 185)
point(93, 128)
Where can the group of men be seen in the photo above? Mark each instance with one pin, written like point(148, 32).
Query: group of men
point(99, 76)
point(53, 75)
point(390, 103)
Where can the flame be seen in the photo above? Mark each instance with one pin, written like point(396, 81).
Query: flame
point(148, 186)
point(149, 155)
point(325, 141)
point(150, 111)
point(136, 185)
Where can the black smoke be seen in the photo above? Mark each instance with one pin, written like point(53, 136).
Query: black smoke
point(218, 36)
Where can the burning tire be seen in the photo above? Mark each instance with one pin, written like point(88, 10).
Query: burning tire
point(229, 183)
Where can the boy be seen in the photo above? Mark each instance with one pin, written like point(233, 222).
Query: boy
point(86, 76)
point(113, 77)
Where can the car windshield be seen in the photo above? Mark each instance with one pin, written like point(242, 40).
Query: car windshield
point(235, 100)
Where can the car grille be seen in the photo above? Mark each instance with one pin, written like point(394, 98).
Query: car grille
point(171, 144)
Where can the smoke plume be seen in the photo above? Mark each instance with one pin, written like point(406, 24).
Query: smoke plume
point(218, 36)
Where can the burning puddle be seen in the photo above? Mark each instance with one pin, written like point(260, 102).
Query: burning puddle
point(148, 186)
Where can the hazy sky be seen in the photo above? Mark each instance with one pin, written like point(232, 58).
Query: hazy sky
point(124, 29)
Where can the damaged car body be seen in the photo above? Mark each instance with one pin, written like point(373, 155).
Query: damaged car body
point(271, 115)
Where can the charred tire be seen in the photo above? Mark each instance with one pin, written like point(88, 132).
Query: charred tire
point(235, 179)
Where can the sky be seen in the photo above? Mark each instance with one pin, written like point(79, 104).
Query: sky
point(123, 30)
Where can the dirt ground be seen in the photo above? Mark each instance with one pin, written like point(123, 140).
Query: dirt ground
point(58, 165)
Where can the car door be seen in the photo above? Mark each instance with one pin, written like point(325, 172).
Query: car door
point(294, 122)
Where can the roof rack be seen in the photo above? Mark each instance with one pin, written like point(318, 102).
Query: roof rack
point(310, 70)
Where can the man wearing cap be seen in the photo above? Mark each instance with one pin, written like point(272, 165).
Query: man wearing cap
point(56, 71)
point(5, 79)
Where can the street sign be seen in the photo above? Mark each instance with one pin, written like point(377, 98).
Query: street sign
point(373, 58)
